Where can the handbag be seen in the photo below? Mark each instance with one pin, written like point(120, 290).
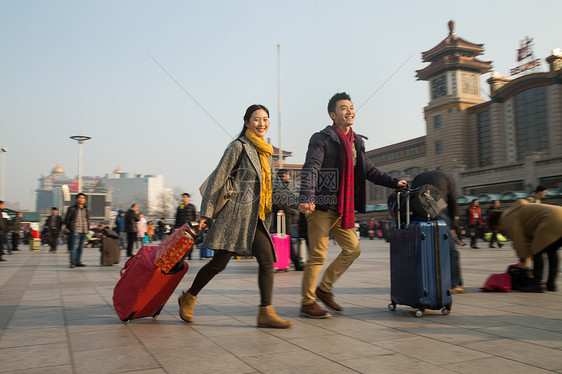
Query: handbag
point(226, 191)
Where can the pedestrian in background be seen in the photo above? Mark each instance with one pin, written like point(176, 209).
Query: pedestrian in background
point(142, 228)
point(4, 227)
point(53, 226)
point(535, 229)
point(538, 195)
point(131, 219)
point(494, 237)
point(474, 219)
point(120, 228)
point(77, 222)
point(186, 212)
point(16, 229)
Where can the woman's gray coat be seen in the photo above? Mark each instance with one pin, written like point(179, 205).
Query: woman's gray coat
point(235, 226)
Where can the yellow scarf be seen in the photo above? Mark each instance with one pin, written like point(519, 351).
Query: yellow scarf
point(264, 151)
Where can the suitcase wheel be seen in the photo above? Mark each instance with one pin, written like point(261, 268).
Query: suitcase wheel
point(446, 311)
point(391, 307)
point(157, 313)
point(419, 313)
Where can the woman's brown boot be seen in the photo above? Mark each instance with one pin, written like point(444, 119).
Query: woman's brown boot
point(268, 318)
point(187, 303)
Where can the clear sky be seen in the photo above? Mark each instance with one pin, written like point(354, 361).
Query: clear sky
point(102, 68)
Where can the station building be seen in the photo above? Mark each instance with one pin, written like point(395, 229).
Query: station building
point(508, 144)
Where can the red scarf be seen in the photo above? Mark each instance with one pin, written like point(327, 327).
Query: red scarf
point(346, 192)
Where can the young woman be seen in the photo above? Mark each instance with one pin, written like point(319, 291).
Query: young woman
point(242, 226)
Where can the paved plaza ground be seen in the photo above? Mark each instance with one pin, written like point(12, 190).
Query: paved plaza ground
point(54, 319)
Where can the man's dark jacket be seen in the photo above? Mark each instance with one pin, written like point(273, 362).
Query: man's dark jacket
point(4, 224)
point(56, 227)
point(321, 171)
point(445, 184)
point(131, 219)
point(72, 214)
point(187, 214)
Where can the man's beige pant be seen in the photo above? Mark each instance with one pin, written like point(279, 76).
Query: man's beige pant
point(320, 224)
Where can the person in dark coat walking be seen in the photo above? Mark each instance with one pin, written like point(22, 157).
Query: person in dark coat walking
point(186, 213)
point(131, 219)
point(446, 186)
point(77, 222)
point(120, 227)
point(16, 229)
point(53, 226)
point(333, 187)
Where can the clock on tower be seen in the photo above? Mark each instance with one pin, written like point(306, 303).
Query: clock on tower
point(439, 87)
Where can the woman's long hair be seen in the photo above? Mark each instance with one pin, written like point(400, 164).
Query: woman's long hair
point(251, 109)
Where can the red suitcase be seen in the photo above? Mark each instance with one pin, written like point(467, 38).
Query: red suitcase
point(282, 244)
point(144, 289)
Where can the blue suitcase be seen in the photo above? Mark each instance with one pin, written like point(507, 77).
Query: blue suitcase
point(420, 267)
point(205, 252)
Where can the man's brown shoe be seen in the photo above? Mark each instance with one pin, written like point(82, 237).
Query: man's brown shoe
point(328, 299)
point(314, 311)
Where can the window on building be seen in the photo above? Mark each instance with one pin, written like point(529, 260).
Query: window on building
point(438, 147)
point(484, 139)
point(437, 121)
point(531, 121)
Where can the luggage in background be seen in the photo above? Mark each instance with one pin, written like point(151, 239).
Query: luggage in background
point(109, 251)
point(497, 283)
point(282, 244)
point(205, 252)
point(144, 289)
point(420, 266)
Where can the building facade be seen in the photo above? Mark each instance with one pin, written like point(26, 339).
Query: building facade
point(511, 142)
point(146, 190)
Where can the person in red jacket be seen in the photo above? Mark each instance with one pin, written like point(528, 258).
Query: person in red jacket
point(474, 219)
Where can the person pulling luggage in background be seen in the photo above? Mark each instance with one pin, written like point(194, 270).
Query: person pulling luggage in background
point(535, 229)
point(242, 226)
point(333, 186)
point(446, 186)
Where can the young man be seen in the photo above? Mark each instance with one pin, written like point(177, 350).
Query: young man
point(131, 219)
point(495, 206)
point(77, 221)
point(332, 188)
point(186, 213)
point(53, 225)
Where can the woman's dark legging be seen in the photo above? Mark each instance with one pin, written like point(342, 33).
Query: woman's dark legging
point(538, 262)
point(261, 249)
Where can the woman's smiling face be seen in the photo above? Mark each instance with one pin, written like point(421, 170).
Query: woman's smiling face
point(259, 122)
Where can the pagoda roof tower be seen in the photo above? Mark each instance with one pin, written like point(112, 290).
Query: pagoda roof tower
point(453, 53)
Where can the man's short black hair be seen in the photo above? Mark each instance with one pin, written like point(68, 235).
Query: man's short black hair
point(337, 97)
point(133, 205)
point(186, 194)
point(54, 208)
point(81, 194)
point(540, 188)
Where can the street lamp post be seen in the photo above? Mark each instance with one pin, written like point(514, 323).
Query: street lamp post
point(80, 139)
point(3, 185)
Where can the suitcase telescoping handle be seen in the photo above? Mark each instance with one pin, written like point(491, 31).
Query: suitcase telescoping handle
point(403, 192)
point(281, 224)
